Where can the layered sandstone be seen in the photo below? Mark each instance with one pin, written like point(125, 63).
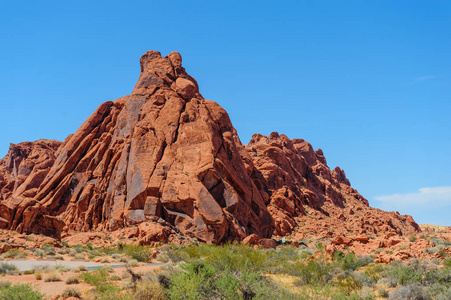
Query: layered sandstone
point(165, 162)
point(305, 197)
point(161, 152)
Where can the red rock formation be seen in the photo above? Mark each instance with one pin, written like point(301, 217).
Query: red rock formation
point(305, 196)
point(162, 152)
point(22, 171)
point(169, 161)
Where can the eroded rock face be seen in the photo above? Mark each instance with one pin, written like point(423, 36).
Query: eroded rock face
point(22, 171)
point(164, 162)
point(163, 151)
point(306, 197)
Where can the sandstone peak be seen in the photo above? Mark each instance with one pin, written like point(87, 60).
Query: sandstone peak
point(158, 72)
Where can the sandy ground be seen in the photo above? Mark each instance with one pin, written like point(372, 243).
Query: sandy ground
point(26, 265)
point(57, 288)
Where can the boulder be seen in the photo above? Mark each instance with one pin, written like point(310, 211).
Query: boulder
point(268, 243)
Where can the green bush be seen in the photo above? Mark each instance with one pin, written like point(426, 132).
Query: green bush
point(447, 263)
point(349, 283)
point(140, 253)
point(199, 280)
point(196, 281)
point(20, 291)
point(404, 274)
point(351, 262)
point(100, 279)
point(314, 272)
point(7, 267)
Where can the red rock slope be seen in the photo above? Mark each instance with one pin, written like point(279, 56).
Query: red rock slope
point(166, 157)
point(304, 196)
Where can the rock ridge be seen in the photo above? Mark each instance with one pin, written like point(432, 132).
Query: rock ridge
point(170, 162)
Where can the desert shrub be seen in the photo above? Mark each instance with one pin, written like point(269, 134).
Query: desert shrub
point(52, 276)
point(338, 255)
point(128, 284)
point(174, 255)
point(439, 276)
point(349, 283)
point(199, 280)
point(364, 279)
point(412, 238)
point(79, 249)
point(388, 282)
point(109, 269)
point(442, 253)
point(365, 293)
point(238, 257)
point(62, 268)
point(442, 293)
point(79, 256)
point(82, 268)
point(440, 242)
point(314, 272)
point(383, 293)
point(132, 263)
point(194, 282)
point(71, 292)
point(431, 250)
point(38, 275)
point(115, 277)
point(117, 256)
point(39, 253)
point(102, 282)
point(10, 254)
point(149, 290)
point(447, 263)
point(105, 260)
point(351, 262)
point(374, 271)
point(435, 261)
point(20, 291)
point(404, 274)
point(72, 280)
point(411, 291)
point(7, 267)
point(5, 284)
point(15, 272)
point(140, 253)
point(365, 260)
point(48, 249)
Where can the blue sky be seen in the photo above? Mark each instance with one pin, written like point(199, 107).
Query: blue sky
point(369, 82)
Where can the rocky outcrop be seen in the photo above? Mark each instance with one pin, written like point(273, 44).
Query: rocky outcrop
point(165, 162)
point(305, 197)
point(161, 152)
point(22, 171)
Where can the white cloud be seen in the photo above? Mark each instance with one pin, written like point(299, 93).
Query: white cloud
point(426, 197)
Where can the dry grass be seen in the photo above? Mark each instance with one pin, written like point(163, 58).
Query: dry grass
point(52, 276)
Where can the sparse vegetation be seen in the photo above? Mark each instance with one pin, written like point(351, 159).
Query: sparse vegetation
point(51, 276)
point(72, 280)
point(7, 268)
point(237, 271)
point(71, 292)
point(19, 291)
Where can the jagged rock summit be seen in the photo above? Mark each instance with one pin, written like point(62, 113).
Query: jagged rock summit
point(169, 163)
